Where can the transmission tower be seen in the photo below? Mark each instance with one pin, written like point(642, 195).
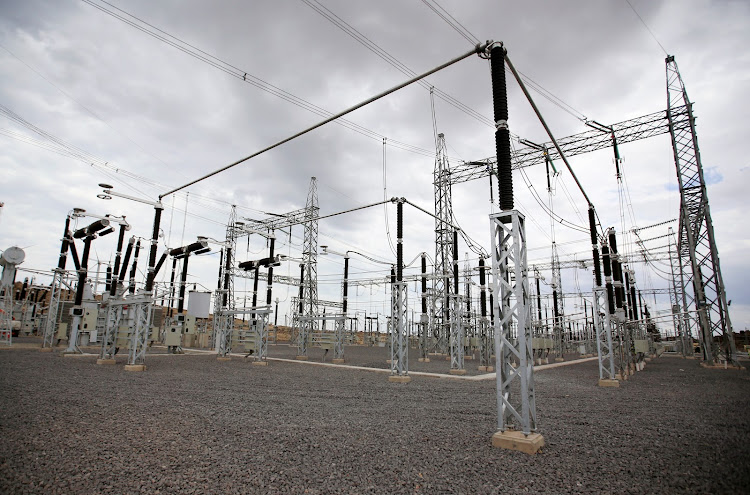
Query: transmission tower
point(698, 255)
point(224, 305)
point(308, 320)
point(443, 246)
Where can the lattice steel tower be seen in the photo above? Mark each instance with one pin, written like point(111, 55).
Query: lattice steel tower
point(698, 255)
point(443, 245)
point(308, 322)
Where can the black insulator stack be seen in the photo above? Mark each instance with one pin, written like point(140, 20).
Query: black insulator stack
point(502, 133)
point(74, 253)
point(492, 310)
point(131, 285)
point(399, 241)
point(344, 303)
point(556, 306)
point(227, 274)
point(616, 271)
point(636, 306)
point(595, 246)
point(171, 285)
point(128, 252)
point(83, 270)
point(160, 263)
point(393, 275)
point(301, 286)
point(482, 288)
point(183, 281)
point(255, 288)
point(221, 265)
point(424, 284)
point(538, 299)
point(108, 279)
point(455, 262)
point(269, 287)
point(608, 279)
point(151, 275)
point(64, 245)
point(629, 295)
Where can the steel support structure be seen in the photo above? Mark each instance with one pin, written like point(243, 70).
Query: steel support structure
point(50, 324)
point(441, 308)
point(308, 321)
point(696, 242)
point(512, 322)
point(558, 332)
point(457, 333)
point(399, 331)
point(224, 304)
point(603, 331)
point(6, 318)
point(339, 335)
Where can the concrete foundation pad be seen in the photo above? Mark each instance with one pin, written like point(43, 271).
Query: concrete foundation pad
point(559, 360)
point(301, 358)
point(106, 361)
point(45, 349)
point(516, 440)
point(488, 369)
point(399, 379)
point(135, 367)
point(387, 361)
point(619, 376)
point(606, 382)
point(447, 358)
point(720, 367)
point(424, 360)
point(223, 358)
point(259, 363)
point(337, 361)
point(648, 359)
point(457, 372)
point(72, 354)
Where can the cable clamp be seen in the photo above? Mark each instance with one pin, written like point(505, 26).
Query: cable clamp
point(488, 46)
point(501, 124)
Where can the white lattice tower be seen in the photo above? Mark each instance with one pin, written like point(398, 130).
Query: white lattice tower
point(309, 322)
point(443, 246)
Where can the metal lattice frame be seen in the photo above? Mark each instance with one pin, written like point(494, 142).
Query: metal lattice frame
point(603, 331)
point(260, 332)
point(680, 318)
point(113, 315)
point(308, 321)
point(646, 126)
point(697, 244)
point(338, 344)
point(399, 330)
point(223, 311)
point(142, 305)
point(441, 316)
point(457, 333)
point(558, 334)
point(54, 307)
point(6, 318)
point(512, 323)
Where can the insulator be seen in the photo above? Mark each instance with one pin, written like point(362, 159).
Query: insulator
point(74, 253)
point(183, 280)
point(483, 289)
point(269, 287)
point(64, 246)
point(93, 228)
point(128, 252)
point(424, 284)
point(108, 279)
point(455, 262)
point(160, 263)
point(606, 261)
point(502, 134)
point(399, 241)
point(597, 267)
point(346, 285)
point(393, 275)
point(610, 298)
point(635, 302)
point(592, 226)
point(301, 285)
point(612, 241)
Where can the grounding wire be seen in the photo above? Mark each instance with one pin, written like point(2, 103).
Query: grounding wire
point(647, 28)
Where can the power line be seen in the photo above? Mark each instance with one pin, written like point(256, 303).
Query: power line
point(647, 28)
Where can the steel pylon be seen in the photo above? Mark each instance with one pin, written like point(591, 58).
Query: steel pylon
point(698, 255)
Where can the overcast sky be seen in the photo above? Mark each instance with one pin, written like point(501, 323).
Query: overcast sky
point(159, 118)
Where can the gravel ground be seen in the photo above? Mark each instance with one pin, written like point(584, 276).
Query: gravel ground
point(191, 424)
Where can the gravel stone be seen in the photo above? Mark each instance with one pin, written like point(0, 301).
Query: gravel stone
point(193, 425)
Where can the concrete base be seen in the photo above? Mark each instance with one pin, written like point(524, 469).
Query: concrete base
point(720, 366)
point(424, 360)
point(647, 359)
point(301, 358)
point(447, 358)
point(338, 361)
point(606, 382)
point(45, 349)
point(106, 361)
point(559, 360)
point(619, 376)
point(387, 361)
point(259, 363)
point(135, 367)
point(224, 358)
point(399, 379)
point(516, 440)
point(488, 369)
point(457, 372)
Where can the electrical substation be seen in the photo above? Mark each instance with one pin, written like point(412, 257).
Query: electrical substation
point(295, 351)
